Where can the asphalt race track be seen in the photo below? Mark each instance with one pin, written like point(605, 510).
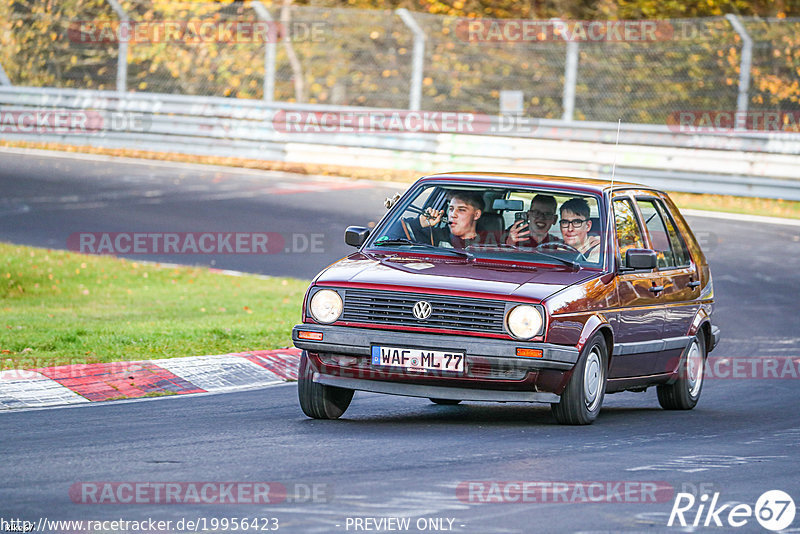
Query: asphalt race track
point(393, 457)
point(45, 200)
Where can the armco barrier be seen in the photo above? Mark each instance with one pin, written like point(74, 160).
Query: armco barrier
point(750, 164)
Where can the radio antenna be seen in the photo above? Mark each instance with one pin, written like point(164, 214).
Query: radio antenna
point(616, 149)
point(613, 172)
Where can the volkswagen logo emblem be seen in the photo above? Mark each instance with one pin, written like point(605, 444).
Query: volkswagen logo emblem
point(422, 310)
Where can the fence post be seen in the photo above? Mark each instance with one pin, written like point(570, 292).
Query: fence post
point(418, 56)
point(744, 64)
point(570, 71)
point(270, 50)
point(570, 79)
point(3, 77)
point(122, 59)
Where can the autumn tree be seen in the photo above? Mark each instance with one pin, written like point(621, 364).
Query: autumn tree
point(362, 54)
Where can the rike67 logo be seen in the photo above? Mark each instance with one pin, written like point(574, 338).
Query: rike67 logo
point(774, 510)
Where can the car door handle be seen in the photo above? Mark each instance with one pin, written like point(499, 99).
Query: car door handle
point(657, 289)
point(694, 284)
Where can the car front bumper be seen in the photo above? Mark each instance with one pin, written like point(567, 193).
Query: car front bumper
point(493, 371)
point(715, 336)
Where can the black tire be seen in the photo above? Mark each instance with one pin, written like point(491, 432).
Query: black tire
point(684, 393)
point(319, 401)
point(583, 397)
point(445, 402)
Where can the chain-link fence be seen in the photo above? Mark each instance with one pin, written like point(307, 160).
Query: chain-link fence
point(776, 64)
point(367, 58)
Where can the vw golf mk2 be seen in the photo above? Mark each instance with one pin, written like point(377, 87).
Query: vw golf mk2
point(512, 288)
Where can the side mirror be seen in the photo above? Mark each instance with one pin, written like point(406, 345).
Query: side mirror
point(355, 236)
point(641, 258)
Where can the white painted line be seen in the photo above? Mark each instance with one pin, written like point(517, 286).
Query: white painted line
point(740, 217)
point(219, 373)
point(228, 272)
point(141, 161)
point(25, 389)
point(214, 270)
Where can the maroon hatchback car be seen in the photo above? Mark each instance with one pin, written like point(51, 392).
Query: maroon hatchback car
point(512, 288)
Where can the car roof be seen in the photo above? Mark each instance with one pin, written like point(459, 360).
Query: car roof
point(588, 185)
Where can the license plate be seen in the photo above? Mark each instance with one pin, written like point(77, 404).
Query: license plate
point(418, 359)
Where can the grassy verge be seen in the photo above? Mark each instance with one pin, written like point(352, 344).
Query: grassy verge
point(769, 207)
point(753, 206)
point(60, 307)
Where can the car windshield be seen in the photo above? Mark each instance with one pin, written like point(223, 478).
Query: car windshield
point(505, 223)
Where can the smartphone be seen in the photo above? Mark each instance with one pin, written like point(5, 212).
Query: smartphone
point(521, 216)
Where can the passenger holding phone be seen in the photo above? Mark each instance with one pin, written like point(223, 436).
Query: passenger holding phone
point(533, 228)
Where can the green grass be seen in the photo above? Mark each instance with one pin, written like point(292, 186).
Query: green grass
point(61, 307)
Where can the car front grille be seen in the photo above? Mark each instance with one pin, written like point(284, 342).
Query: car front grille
point(448, 313)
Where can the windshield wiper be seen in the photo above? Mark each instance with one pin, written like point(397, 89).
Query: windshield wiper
point(504, 246)
point(404, 241)
point(576, 266)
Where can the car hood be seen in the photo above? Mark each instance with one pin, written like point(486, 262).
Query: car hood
point(401, 273)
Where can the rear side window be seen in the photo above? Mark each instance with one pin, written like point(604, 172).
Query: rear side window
point(663, 236)
point(629, 235)
point(679, 250)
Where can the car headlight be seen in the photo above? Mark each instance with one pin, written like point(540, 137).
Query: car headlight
point(326, 306)
point(524, 321)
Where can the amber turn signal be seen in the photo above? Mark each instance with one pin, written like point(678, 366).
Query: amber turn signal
point(530, 353)
point(313, 336)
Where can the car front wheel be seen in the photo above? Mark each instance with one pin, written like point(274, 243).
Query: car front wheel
point(320, 401)
point(684, 393)
point(582, 398)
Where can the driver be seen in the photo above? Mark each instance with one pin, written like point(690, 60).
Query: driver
point(575, 226)
point(463, 212)
point(535, 229)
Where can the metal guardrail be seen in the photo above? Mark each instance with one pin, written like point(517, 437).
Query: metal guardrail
point(749, 163)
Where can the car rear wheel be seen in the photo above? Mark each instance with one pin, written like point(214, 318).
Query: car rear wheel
point(445, 402)
point(582, 398)
point(320, 401)
point(684, 393)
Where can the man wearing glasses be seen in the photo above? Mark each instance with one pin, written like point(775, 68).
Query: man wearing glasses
point(575, 226)
point(535, 230)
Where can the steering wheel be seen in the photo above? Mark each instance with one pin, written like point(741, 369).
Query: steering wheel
point(556, 246)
